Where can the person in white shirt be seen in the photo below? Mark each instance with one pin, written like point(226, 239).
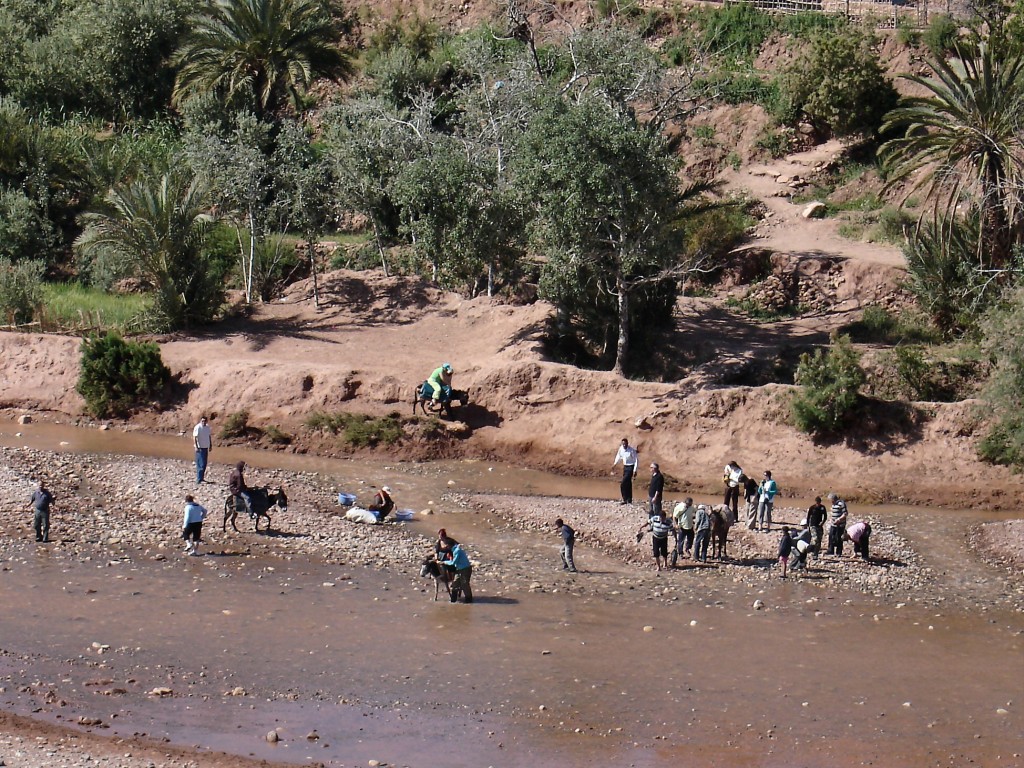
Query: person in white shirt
point(734, 478)
point(192, 526)
point(203, 440)
point(627, 454)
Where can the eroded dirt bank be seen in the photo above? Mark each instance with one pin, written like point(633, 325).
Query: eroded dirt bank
point(376, 337)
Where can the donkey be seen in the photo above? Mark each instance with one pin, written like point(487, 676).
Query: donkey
point(261, 501)
point(721, 521)
point(432, 569)
point(419, 399)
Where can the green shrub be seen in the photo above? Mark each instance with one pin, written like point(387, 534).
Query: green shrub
point(774, 142)
point(358, 429)
point(25, 234)
point(1002, 329)
point(235, 425)
point(117, 375)
point(276, 436)
point(21, 290)
point(734, 30)
point(830, 382)
point(880, 326)
point(838, 85)
point(941, 35)
point(808, 24)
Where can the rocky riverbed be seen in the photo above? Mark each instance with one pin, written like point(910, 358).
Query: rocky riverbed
point(122, 514)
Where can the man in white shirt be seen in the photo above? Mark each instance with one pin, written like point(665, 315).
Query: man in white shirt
point(203, 440)
point(628, 456)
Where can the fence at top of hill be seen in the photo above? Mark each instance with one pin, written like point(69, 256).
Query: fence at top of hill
point(886, 13)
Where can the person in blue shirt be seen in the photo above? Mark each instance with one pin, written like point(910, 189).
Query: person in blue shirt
point(457, 559)
point(769, 489)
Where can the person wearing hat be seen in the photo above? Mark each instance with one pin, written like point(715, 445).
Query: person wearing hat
point(440, 382)
point(382, 504)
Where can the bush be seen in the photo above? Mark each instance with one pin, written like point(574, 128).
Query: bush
point(24, 232)
point(1003, 340)
point(830, 383)
point(880, 326)
point(838, 85)
point(276, 436)
point(734, 30)
point(119, 375)
point(21, 290)
point(358, 429)
point(235, 425)
point(940, 36)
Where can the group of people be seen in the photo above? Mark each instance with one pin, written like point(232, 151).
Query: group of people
point(691, 526)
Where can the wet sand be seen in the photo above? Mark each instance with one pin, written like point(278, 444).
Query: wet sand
point(326, 630)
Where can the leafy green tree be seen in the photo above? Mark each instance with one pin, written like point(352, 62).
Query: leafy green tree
point(24, 233)
point(154, 228)
point(117, 375)
point(830, 382)
point(1003, 394)
point(607, 200)
point(104, 57)
point(455, 216)
point(963, 142)
point(838, 85)
point(272, 49)
point(368, 143)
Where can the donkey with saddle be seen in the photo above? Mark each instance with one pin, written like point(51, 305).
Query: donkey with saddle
point(261, 501)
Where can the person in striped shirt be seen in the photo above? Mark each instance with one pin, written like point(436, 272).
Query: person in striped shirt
point(661, 528)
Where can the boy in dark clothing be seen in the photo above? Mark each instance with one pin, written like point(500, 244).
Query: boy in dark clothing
point(568, 542)
point(785, 548)
point(816, 515)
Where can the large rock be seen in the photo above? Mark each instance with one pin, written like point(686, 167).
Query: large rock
point(813, 210)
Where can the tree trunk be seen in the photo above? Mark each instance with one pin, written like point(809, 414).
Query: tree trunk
point(312, 269)
point(252, 258)
point(490, 280)
point(380, 245)
point(622, 346)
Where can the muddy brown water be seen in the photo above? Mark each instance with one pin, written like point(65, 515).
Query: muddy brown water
point(618, 675)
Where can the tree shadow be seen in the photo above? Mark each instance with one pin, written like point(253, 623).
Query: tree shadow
point(880, 427)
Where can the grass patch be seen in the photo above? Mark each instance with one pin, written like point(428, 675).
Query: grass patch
point(75, 307)
point(235, 425)
point(880, 326)
point(758, 312)
point(358, 429)
point(276, 436)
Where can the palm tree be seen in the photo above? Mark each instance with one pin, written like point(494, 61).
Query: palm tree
point(273, 49)
point(966, 139)
point(155, 228)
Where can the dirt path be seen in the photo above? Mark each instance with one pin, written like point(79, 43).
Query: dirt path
point(785, 229)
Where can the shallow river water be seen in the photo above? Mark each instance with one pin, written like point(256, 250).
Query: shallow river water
point(619, 675)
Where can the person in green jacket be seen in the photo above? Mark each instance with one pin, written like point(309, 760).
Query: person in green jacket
point(440, 382)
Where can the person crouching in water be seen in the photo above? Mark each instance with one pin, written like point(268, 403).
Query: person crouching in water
point(382, 504)
point(192, 526)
